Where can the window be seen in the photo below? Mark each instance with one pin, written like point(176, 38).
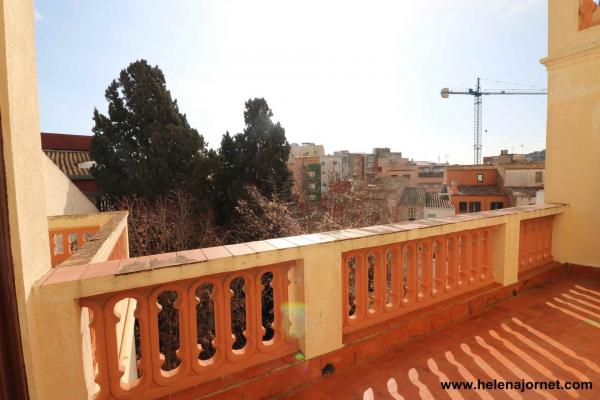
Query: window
point(430, 215)
point(479, 177)
point(311, 186)
point(412, 214)
point(474, 206)
point(462, 207)
point(538, 177)
point(496, 205)
point(311, 174)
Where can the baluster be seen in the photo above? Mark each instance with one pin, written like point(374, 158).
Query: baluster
point(426, 274)
point(440, 265)
point(411, 269)
point(489, 248)
point(476, 260)
point(531, 242)
point(276, 286)
point(378, 282)
point(98, 344)
point(353, 301)
point(161, 376)
point(360, 285)
point(522, 245)
point(462, 260)
point(396, 295)
point(548, 240)
point(218, 342)
point(452, 245)
point(539, 241)
point(183, 353)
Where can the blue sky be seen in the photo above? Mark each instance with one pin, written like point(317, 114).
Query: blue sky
point(347, 74)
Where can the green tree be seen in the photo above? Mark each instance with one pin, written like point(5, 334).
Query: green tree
point(257, 157)
point(145, 145)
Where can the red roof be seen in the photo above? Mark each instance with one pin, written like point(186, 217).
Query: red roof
point(60, 141)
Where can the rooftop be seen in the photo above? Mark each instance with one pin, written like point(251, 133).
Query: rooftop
point(69, 162)
point(418, 196)
point(480, 190)
point(471, 167)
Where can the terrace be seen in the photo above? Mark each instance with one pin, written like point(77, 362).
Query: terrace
point(388, 311)
point(310, 306)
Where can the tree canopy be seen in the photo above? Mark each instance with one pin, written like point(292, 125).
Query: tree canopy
point(256, 157)
point(145, 145)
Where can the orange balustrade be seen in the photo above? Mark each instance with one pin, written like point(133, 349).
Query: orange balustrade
point(587, 9)
point(191, 331)
point(64, 242)
point(383, 282)
point(535, 243)
point(120, 249)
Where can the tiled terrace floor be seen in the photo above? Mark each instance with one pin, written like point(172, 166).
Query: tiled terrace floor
point(545, 334)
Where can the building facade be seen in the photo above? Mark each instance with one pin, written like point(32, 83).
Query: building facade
point(475, 188)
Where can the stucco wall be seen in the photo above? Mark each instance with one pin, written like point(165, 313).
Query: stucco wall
point(469, 176)
point(24, 182)
point(486, 201)
point(62, 196)
point(573, 135)
point(523, 177)
point(438, 212)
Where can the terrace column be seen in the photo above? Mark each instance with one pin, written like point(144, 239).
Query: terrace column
point(322, 300)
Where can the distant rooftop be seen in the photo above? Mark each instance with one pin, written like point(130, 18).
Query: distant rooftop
point(61, 141)
point(480, 190)
point(417, 196)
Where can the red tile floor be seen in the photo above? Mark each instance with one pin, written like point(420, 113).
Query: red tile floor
point(547, 334)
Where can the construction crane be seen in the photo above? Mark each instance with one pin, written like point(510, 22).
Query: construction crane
point(478, 94)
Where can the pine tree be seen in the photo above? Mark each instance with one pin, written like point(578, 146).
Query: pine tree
point(145, 145)
point(255, 158)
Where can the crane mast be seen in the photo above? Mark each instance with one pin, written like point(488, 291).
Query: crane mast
point(478, 94)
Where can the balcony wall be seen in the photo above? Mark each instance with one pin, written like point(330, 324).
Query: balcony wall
point(308, 276)
point(87, 238)
point(573, 130)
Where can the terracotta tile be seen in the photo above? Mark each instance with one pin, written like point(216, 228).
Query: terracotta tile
point(260, 246)
point(107, 268)
point(130, 265)
point(280, 243)
point(163, 260)
point(459, 312)
point(206, 388)
point(212, 253)
point(191, 256)
point(66, 274)
point(342, 359)
point(319, 237)
point(419, 327)
point(300, 240)
point(396, 336)
point(440, 320)
point(375, 229)
point(239, 249)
